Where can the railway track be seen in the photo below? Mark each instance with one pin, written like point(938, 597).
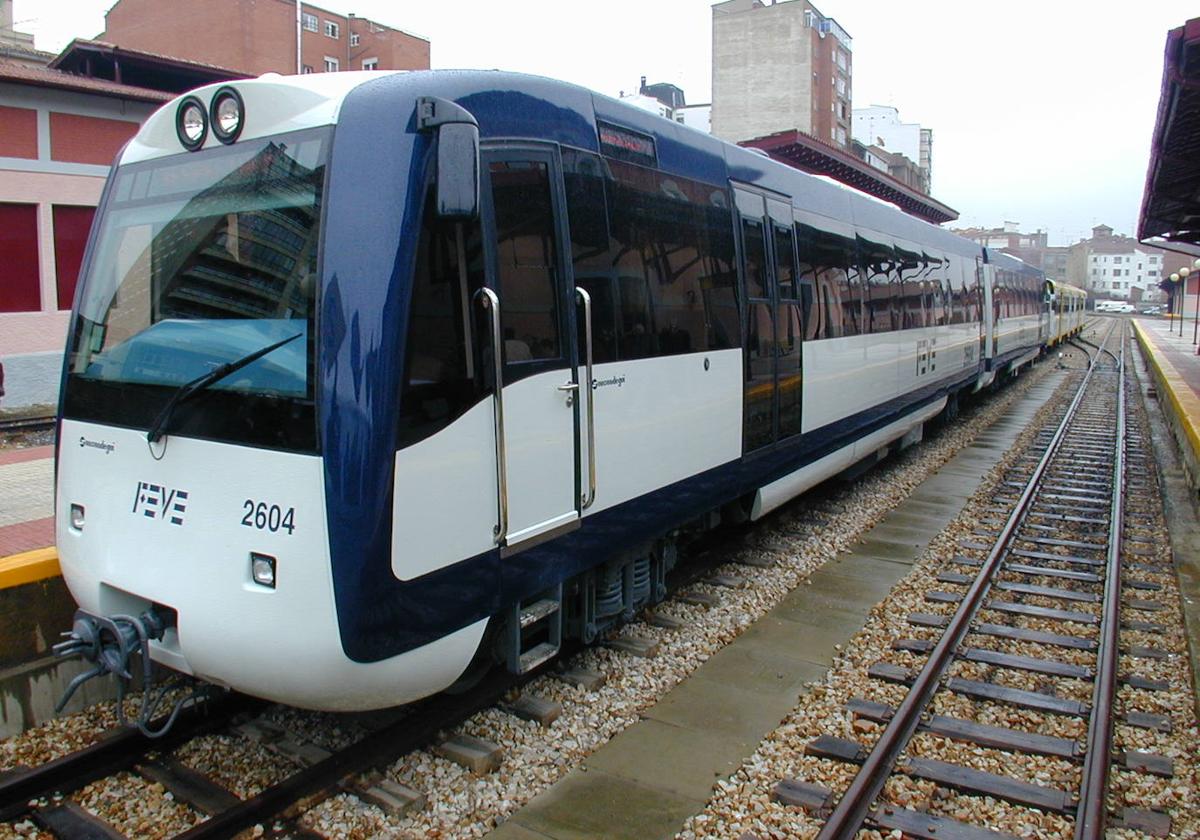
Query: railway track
point(319, 774)
point(22, 425)
point(1046, 573)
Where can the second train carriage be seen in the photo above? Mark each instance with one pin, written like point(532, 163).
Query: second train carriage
point(374, 375)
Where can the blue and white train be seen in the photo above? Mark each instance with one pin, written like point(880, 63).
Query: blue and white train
point(374, 379)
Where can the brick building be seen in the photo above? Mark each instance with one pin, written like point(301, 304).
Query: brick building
point(779, 67)
point(58, 136)
point(259, 36)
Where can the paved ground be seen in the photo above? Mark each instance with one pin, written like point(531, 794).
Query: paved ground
point(649, 779)
point(26, 499)
point(1176, 367)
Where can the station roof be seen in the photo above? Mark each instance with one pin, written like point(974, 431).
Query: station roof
point(807, 153)
point(44, 77)
point(1171, 201)
point(101, 60)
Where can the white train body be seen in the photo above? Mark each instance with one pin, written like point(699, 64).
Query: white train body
point(350, 512)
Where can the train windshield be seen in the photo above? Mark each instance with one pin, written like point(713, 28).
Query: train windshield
point(201, 259)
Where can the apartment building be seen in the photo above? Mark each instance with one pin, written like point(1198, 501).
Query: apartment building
point(780, 66)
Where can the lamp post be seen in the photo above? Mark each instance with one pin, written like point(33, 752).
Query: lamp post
point(1175, 279)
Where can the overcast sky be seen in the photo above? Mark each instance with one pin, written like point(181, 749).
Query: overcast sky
point(1041, 111)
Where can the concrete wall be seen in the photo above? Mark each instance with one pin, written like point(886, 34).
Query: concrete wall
point(762, 70)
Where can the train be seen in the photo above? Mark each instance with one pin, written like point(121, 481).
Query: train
point(375, 381)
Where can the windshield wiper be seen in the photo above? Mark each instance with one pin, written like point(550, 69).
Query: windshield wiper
point(159, 427)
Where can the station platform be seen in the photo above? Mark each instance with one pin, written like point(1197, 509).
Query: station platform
point(1175, 366)
point(26, 510)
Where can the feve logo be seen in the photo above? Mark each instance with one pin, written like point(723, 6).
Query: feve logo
point(158, 502)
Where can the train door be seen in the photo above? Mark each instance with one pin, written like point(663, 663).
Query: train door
point(773, 332)
point(537, 425)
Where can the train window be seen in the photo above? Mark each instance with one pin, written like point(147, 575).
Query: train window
point(439, 370)
point(638, 338)
point(810, 312)
point(672, 250)
point(583, 184)
point(910, 274)
point(827, 264)
point(760, 377)
point(526, 260)
point(754, 259)
point(935, 285)
point(877, 266)
point(788, 334)
point(785, 269)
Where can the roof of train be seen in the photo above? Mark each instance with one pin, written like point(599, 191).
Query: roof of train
point(518, 105)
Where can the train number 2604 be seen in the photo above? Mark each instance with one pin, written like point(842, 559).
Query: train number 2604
point(267, 517)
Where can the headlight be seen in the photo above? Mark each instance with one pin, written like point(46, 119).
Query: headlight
point(227, 114)
point(262, 569)
point(191, 123)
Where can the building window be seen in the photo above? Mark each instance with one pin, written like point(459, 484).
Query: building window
point(71, 226)
point(1153, 260)
point(1116, 259)
point(307, 68)
point(310, 22)
point(19, 256)
point(354, 39)
point(332, 29)
point(370, 64)
point(1095, 258)
point(331, 65)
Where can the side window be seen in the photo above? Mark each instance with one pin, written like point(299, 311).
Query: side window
point(754, 258)
point(910, 271)
point(440, 377)
point(788, 335)
point(672, 255)
point(526, 260)
point(785, 257)
point(583, 184)
point(876, 262)
point(827, 265)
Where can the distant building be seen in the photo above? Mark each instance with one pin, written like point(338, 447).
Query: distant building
point(17, 47)
point(1008, 238)
point(879, 125)
point(1032, 248)
point(668, 100)
point(897, 165)
point(780, 67)
point(698, 117)
point(260, 36)
point(648, 103)
point(1119, 267)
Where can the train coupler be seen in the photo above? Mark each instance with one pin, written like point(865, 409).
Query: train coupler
point(109, 643)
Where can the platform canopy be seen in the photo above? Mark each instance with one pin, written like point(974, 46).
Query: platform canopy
point(1171, 202)
point(807, 153)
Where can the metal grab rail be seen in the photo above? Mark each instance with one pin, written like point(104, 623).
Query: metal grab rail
point(491, 302)
point(586, 300)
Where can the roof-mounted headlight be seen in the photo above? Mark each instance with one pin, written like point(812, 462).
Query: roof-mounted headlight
point(191, 123)
point(228, 114)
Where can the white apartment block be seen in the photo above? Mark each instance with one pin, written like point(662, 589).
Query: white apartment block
point(1119, 275)
point(880, 125)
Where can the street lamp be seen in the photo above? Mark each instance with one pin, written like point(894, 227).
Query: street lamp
point(1174, 278)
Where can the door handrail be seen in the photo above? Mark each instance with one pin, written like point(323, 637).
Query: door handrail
point(491, 302)
point(586, 299)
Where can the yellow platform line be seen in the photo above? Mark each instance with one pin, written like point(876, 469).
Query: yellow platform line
point(1183, 399)
point(29, 567)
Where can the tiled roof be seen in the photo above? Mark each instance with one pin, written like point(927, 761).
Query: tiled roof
point(44, 77)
